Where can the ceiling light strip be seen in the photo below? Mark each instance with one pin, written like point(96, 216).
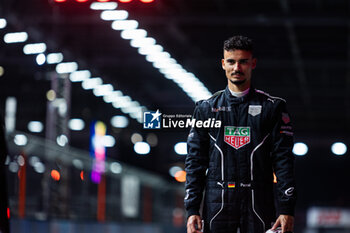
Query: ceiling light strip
point(115, 97)
point(153, 52)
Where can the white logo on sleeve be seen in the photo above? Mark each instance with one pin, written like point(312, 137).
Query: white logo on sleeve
point(289, 192)
point(187, 194)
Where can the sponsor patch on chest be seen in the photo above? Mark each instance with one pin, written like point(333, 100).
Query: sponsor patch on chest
point(254, 110)
point(237, 136)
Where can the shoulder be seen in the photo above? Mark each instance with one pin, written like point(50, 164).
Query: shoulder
point(209, 102)
point(206, 106)
point(270, 98)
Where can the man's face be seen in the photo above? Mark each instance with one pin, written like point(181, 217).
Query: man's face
point(238, 66)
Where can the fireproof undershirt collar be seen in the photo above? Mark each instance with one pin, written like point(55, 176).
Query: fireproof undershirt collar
point(239, 94)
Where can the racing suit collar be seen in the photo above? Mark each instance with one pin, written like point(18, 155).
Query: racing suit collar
point(236, 100)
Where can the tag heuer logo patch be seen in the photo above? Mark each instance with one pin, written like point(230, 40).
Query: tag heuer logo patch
point(254, 110)
point(237, 136)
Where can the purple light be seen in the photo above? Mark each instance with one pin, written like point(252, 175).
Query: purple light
point(95, 177)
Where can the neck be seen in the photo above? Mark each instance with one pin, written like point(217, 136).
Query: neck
point(238, 88)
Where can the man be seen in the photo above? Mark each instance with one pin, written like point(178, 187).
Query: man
point(234, 164)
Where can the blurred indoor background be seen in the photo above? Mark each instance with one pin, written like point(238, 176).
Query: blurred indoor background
point(76, 75)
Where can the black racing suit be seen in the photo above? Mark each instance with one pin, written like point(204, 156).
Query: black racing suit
point(234, 164)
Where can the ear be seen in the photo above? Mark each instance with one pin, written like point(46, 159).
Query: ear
point(223, 64)
point(254, 63)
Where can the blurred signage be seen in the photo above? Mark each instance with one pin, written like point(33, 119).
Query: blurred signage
point(328, 217)
point(97, 149)
point(130, 196)
point(10, 114)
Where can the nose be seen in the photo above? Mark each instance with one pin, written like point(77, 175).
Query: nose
point(236, 67)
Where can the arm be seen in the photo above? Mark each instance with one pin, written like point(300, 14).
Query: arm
point(196, 165)
point(283, 165)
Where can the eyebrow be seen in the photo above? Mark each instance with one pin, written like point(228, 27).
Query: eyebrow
point(230, 59)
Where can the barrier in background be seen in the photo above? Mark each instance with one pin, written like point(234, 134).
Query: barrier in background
point(62, 226)
point(129, 195)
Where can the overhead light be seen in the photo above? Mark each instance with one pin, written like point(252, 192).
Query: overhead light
point(34, 48)
point(66, 67)
point(169, 62)
point(35, 126)
point(103, 5)
point(147, 47)
point(142, 148)
point(174, 169)
point(116, 167)
point(15, 37)
point(51, 95)
point(78, 164)
point(3, 23)
point(39, 167)
point(13, 167)
point(40, 59)
point(300, 149)
point(20, 160)
point(91, 83)
point(152, 139)
point(180, 176)
point(114, 15)
point(339, 148)
point(54, 58)
point(62, 140)
point(2, 71)
point(108, 141)
point(122, 101)
point(125, 25)
point(20, 139)
point(181, 148)
point(80, 75)
point(112, 96)
point(131, 109)
point(136, 137)
point(174, 71)
point(102, 90)
point(76, 124)
point(61, 104)
point(142, 42)
point(145, 50)
point(10, 113)
point(133, 34)
point(33, 159)
point(119, 121)
point(153, 57)
point(137, 115)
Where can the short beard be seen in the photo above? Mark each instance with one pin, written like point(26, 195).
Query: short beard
point(238, 82)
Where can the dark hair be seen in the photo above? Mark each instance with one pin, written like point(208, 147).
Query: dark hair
point(238, 43)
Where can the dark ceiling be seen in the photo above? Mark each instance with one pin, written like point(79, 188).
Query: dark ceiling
point(303, 51)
